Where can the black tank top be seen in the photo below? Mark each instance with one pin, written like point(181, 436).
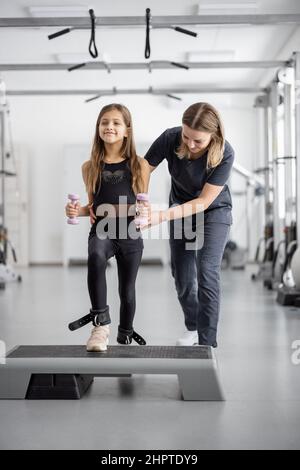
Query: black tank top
point(116, 181)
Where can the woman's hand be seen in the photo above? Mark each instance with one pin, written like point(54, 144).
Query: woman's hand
point(155, 218)
point(72, 210)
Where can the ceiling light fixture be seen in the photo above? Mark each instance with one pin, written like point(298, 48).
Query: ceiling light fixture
point(57, 11)
point(216, 7)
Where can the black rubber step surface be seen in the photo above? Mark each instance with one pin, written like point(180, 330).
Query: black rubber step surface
point(142, 352)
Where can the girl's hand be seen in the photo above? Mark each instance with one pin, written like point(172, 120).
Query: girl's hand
point(92, 214)
point(72, 210)
point(143, 210)
point(143, 214)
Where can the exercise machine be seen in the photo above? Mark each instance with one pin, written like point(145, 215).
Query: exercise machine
point(7, 273)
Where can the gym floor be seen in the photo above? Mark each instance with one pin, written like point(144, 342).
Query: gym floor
point(262, 386)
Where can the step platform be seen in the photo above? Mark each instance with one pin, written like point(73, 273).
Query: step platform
point(288, 296)
point(66, 372)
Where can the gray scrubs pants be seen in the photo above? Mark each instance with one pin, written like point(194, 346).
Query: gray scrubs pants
point(197, 280)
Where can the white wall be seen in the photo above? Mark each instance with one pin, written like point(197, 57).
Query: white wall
point(45, 125)
point(245, 131)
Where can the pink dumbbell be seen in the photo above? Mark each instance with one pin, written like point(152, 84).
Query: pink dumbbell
point(74, 198)
point(140, 199)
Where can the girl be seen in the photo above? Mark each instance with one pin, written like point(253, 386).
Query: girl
point(199, 161)
point(113, 176)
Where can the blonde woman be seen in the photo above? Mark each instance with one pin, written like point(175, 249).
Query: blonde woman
point(113, 171)
point(199, 161)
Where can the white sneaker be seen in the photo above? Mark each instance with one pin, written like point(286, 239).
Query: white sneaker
point(189, 338)
point(98, 340)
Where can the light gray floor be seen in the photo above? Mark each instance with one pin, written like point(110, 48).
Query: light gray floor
point(262, 385)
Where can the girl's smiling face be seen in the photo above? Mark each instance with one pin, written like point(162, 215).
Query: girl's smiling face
point(112, 128)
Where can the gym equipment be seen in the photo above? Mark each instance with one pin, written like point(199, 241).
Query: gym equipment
point(66, 372)
point(273, 201)
point(280, 274)
point(280, 183)
point(288, 292)
point(287, 277)
point(74, 198)
point(7, 273)
point(266, 262)
point(295, 267)
point(92, 44)
point(265, 265)
point(234, 257)
point(278, 262)
point(238, 256)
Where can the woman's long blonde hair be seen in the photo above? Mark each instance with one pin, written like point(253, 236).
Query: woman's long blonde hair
point(93, 168)
point(204, 117)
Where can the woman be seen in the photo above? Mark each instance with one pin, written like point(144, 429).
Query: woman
point(199, 162)
point(113, 176)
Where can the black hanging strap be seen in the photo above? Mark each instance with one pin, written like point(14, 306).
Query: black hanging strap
point(92, 45)
point(148, 21)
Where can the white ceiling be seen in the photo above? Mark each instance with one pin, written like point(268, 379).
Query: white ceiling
point(247, 43)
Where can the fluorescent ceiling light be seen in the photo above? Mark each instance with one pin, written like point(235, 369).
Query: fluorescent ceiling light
point(210, 56)
point(58, 11)
point(72, 58)
point(203, 7)
point(79, 58)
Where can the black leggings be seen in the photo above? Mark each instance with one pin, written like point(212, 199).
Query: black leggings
point(128, 262)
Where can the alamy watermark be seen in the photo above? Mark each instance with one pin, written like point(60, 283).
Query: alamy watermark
point(119, 221)
point(2, 352)
point(295, 357)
